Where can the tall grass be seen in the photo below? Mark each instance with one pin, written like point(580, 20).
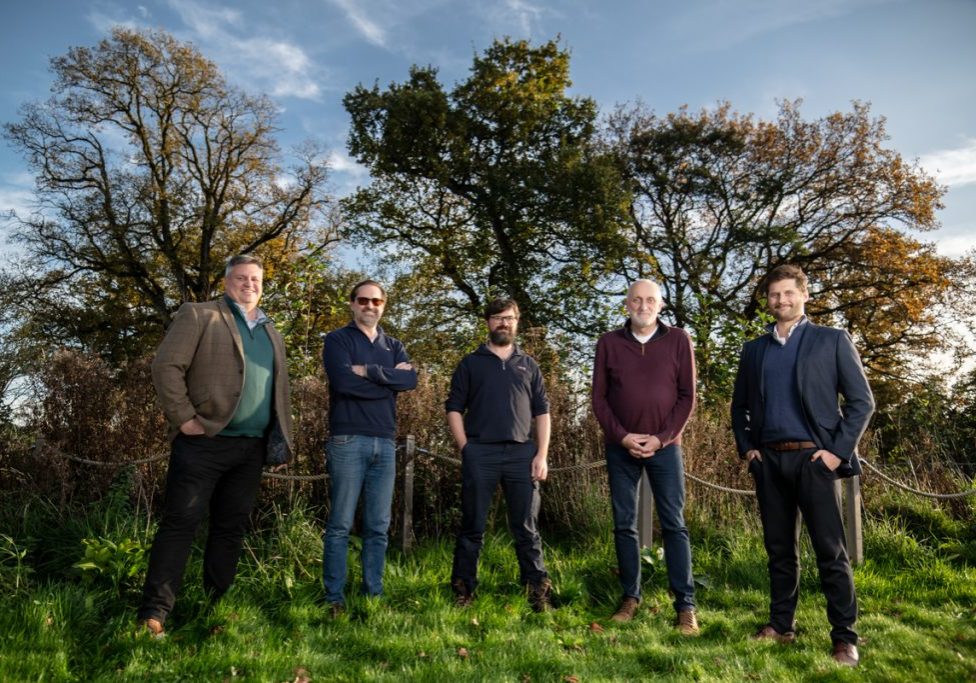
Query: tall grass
point(917, 593)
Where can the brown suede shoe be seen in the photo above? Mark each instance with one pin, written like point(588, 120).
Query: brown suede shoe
point(846, 654)
point(687, 623)
point(540, 595)
point(152, 626)
point(626, 611)
point(767, 632)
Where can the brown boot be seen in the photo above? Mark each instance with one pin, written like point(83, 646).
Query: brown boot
point(626, 611)
point(462, 596)
point(153, 627)
point(540, 595)
point(767, 632)
point(687, 623)
point(846, 654)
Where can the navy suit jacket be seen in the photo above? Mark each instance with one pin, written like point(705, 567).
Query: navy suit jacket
point(827, 365)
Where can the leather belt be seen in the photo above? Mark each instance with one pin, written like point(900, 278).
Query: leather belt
point(789, 445)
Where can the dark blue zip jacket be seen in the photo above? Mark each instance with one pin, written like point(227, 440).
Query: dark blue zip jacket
point(498, 398)
point(364, 406)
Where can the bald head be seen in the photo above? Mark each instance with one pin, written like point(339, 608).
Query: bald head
point(644, 303)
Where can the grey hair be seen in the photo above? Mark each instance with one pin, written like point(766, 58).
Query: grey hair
point(242, 260)
point(645, 281)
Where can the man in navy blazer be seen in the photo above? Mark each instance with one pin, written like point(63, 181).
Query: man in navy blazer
point(798, 440)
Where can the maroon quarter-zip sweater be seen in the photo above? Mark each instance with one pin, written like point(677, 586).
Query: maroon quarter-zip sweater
point(644, 388)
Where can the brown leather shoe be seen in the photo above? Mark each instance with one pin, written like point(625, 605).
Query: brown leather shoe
point(687, 623)
point(846, 654)
point(152, 626)
point(767, 632)
point(626, 611)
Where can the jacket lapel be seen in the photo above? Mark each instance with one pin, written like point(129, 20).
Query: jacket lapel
point(227, 316)
point(764, 343)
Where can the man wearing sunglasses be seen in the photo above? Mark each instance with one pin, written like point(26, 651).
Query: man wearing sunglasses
point(366, 370)
point(496, 397)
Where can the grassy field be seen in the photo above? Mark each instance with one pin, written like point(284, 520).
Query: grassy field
point(61, 622)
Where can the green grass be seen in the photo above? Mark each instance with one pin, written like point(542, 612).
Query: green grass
point(917, 598)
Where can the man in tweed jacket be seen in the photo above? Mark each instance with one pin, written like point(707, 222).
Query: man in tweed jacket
point(221, 379)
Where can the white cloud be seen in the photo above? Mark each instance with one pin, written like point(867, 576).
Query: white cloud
point(369, 29)
point(258, 62)
point(514, 16)
point(278, 67)
point(953, 167)
point(284, 69)
point(955, 245)
point(722, 23)
point(525, 14)
point(104, 23)
point(342, 163)
point(17, 194)
point(206, 22)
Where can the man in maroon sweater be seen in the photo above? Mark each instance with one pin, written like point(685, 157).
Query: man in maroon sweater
point(643, 395)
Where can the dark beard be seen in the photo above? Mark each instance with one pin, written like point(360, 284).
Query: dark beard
point(501, 337)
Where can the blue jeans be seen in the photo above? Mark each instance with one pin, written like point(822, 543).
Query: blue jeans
point(666, 473)
point(357, 465)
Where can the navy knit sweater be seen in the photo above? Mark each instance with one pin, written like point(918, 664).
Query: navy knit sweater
point(364, 406)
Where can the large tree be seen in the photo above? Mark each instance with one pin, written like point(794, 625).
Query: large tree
point(493, 187)
point(719, 198)
point(150, 171)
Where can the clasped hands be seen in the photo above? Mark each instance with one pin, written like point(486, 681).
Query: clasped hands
point(641, 445)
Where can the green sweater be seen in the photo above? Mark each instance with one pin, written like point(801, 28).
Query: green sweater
point(253, 413)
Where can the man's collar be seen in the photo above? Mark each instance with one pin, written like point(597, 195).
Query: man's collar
point(516, 351)
point(774, 331)
point(659, 329)
point(261, 318)
point(379, 331)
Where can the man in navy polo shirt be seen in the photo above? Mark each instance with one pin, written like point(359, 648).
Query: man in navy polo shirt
point(366, 371)
point(496, 397)
point(798, 440)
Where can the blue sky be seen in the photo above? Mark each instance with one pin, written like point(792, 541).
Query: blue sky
point(913, 60)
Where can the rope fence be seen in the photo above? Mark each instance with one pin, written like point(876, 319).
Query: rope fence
point(554, 470)
point(851, 507)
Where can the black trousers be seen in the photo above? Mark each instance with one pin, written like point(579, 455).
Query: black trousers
point(483, 467)
point(219, 475)
point(789, 484)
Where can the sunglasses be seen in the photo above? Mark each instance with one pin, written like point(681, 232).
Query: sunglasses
point(363, 300)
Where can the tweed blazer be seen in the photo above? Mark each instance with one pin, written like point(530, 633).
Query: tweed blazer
point(199, 371)
point(827, 365)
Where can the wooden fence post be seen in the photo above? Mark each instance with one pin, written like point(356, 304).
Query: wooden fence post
point(406, 532)
point(852, 521)
point(645, 512)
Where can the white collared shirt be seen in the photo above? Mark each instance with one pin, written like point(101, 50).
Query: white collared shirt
point(789, 333)
point(251, 324)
